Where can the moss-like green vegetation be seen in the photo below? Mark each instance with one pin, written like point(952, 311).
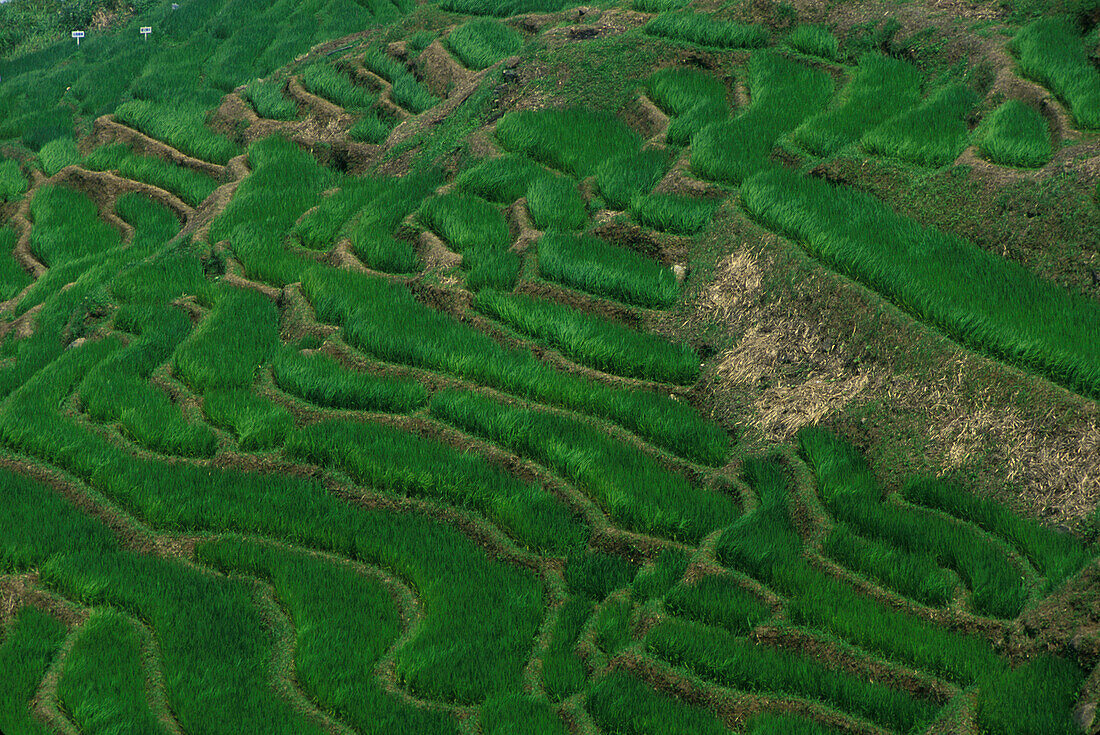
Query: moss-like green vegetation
point(1016, 135)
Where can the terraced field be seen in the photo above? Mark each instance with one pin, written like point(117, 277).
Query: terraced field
point(516, 367)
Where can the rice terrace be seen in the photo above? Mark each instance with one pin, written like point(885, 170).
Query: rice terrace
point(523, 367)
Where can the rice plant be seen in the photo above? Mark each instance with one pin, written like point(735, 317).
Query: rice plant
point(501, 8)
point(180, 125)
point(67, 226)
point(337, 647)
point(320, 379)
point(880, 88)
point(505, 713)
point(563, 672)
point(389, 458)
point(385, 320)
point(555, 203)
point(622, 178)
point(1052, 52)
point(258, 423)
point(465, 223)
point(641, 495)
point(596, 575)
point(657, 578)
point(623, 704)
point(13, 278)
point(574, 141)
point(1055, 555)
point(1035, 698)
point(743, 664)
point(773, 724)
point(501, 179)
point(718, 601)
point(57, 154)
point(29, 647)
point(13, 184)
point(269, 102)
point(814, 41)
point(592, 340)
point(593, 265)
point(852, 494)
point(319, 228)
point(784, 92)
point(975, 296)
point(326, 81)
point(683, 215)
point(190, 186)
point(693, 99)
point(703, 29)
point(1016, 135)
point(103, 680)
point(408, 92)
point(228, 347)
point(479, 44)
point(497, 269)
point(658, 6)
point(372, 128)
point(932, 134)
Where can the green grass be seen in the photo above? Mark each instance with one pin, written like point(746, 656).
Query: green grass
point(880, 88)
point(190, 186)
point(57, 154)
point(591, 340)
point(13, 184)
point(590, 264)
point(333, 85)
point(574, 141)
point(103, 681)
point(67, 227)
point(703, 29)
point(683, 215)
point(180, 125)
point(1016, 135)
point(320, 379)
point(319, 228)
point(742, 664)
point(502, 179)
point(257, 422)
point(231, 343)
point(406, 91)
point(932, 134)
point(479, 44)
point(337, 647)
point(563, 673)
point(719, 601)
point(1052, 52)
point(624, 177)
point(657, 578)
point(269, 102)
point(975, 296)
point(388, 458)
point(380, 250)
point(783, 93)
point(642, 495)
point(620, 703)
point(555, 203)
point(814, 41)
point(28, 648)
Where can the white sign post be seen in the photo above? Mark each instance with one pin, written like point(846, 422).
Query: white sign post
point(145, 31)
point(78, 35)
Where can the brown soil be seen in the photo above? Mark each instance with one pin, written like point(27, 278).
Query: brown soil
point(105, 187)
point(645, 118)
point(442, 73)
